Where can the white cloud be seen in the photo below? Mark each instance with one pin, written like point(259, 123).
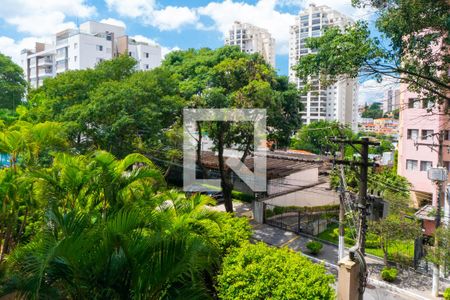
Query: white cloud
point(172, 17)
point(131, 8)
point(43, 17)
point(115, 22)
point(164, 50)
point(167, 18)
point(12, 48)
point(372, 91)
point(343, 6)
point(262, 14)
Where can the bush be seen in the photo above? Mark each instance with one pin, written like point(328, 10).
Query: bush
point(447, 294)
point(314, 247)
point(258, 271)
point(242, 196)
point(389, 274)
point(372, 240)
point(233, 231)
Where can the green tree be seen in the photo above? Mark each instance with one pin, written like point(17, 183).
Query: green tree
point(440, 254)
point(230, 78)
point(263, 272)
point(12, 83)
point(394, 228)
point(316, 137)
point(373, 111)
point(112, 107)
point(27, 146)
point(414, 48)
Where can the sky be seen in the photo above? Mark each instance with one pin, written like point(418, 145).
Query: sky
point(173, 24)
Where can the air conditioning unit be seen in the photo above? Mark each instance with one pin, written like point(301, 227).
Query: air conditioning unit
point(437, 174)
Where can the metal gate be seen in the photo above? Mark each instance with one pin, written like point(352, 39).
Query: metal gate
point(308, 220)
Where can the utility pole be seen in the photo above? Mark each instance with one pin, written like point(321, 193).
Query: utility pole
point(343, 188)
point(438, 175)
point(357, 252)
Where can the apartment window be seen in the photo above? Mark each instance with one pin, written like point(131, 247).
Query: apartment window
point(99, 59)
point(447, 165)
point(427, 134)
point(413, 103)
point(427, 104)
point(146, 54)
point(99, 48)
point(146, 67)
point(75, 59)
point(411, 164)
point(425, 165)
point(446, 135)
point(75, 45)
point(413, 134)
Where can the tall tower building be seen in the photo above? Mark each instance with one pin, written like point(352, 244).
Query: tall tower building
point(337, 102)
point(82, 48)
point(391, 100)
point(252, 39)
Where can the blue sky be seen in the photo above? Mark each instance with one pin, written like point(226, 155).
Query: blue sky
point(174, 24)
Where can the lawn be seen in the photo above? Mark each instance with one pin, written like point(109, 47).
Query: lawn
point(399, 251)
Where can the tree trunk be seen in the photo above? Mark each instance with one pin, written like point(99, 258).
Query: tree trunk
point(225, 175)
point(199, 151)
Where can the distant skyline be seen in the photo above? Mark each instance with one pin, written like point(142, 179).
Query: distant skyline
point(173, 24)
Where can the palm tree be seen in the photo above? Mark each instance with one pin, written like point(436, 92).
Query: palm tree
point(130, 254)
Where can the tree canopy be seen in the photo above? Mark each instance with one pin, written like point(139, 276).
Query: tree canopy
point(263, 272)
point(12, 83)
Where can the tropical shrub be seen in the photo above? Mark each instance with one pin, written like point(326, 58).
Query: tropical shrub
point(314, 247)
point(258, 271)
point(159, 250)
point(447, 294)
point(389, 274)
point(231, 232)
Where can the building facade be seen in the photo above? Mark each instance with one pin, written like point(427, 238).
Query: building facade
point(384, 126)
point(337, 102)
point(83, 48)
point(252, 39)
point(418, 124)
point(391, 100)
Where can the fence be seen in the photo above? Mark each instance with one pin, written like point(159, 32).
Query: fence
point(310, 220)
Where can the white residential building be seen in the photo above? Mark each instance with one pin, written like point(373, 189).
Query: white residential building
point(252, 39)
point(83, 48)
point(337, 102)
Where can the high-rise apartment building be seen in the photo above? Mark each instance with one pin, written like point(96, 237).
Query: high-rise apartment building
point(391, 100)
point(336, 102)
point(252, 39)
point(82, 48)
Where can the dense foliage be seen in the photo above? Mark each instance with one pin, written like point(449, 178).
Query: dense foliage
point(317, 137)
point(263, 272)
point(12, 83)
point(80, 222)
point(373, 111)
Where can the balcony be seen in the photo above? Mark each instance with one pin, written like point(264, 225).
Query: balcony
point(45, 62)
